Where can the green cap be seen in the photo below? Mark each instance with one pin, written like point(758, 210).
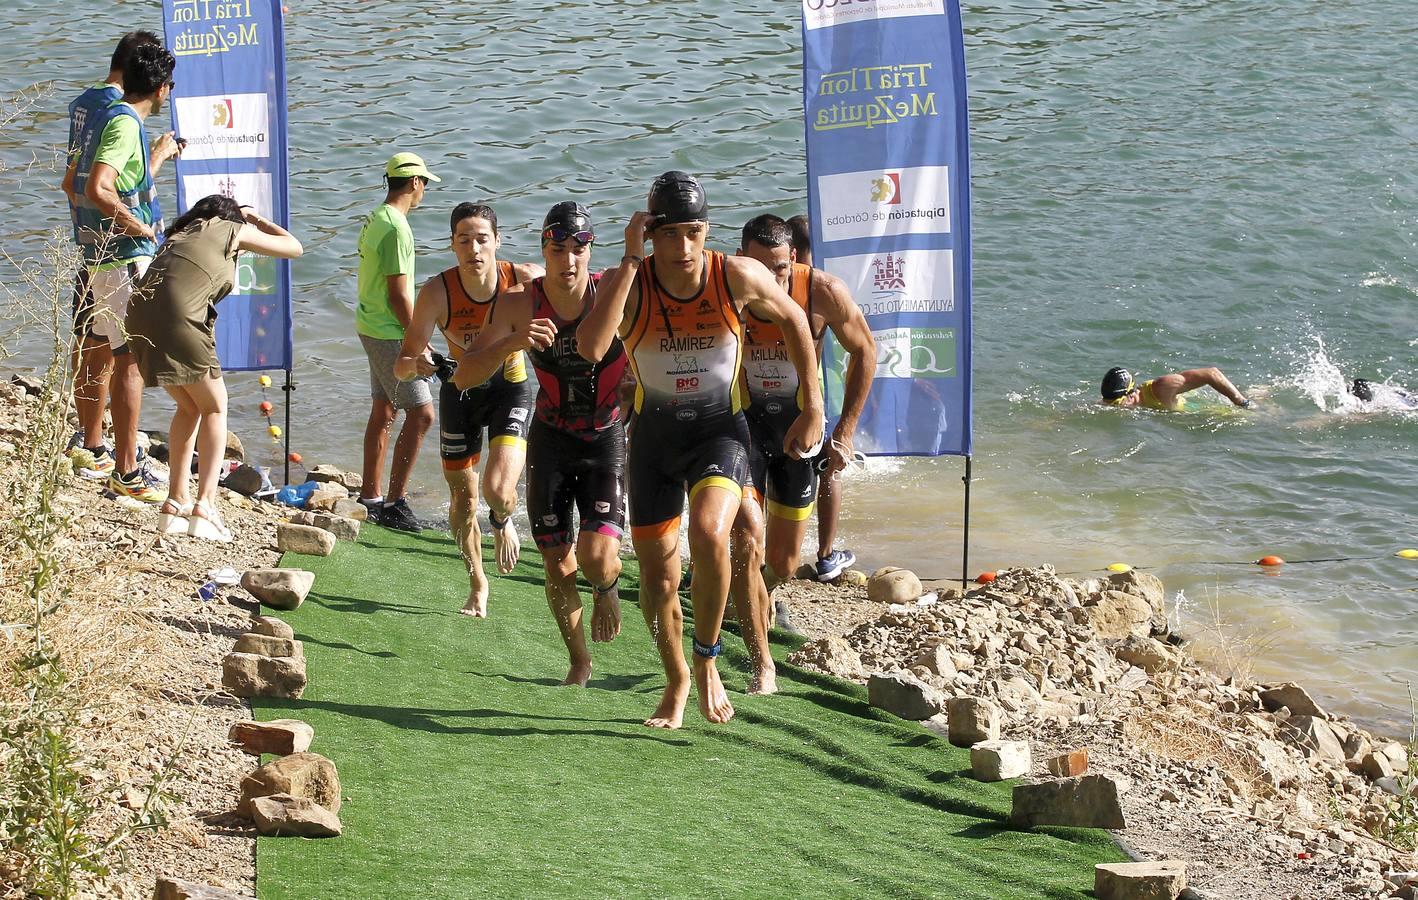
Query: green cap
point(407, 165)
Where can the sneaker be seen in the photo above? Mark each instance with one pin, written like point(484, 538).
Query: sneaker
point(206, 523)
point(398, 516)
point(834, 564)
point(93, 464)
point(138, 484)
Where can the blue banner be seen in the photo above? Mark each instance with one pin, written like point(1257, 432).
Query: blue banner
point(230, 106)
point(888, 167)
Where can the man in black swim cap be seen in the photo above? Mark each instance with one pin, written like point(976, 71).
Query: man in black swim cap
point(680, 316)
point(1365, 392)
point(1165, 392)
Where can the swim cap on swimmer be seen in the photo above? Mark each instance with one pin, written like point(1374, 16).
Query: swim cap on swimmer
point(678, 197)
point(1362, 389)
point(567, 220)
point(1117, 384)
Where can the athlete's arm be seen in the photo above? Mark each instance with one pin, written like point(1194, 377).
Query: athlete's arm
point(606, 320)
point(1168, 387)
point(102, 191)
point(850, 328)
point(756, 288)
point(265, 237)
point(510, 329)
point(414, 360)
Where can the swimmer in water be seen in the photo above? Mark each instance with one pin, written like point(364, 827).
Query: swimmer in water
point(1368, 392)
point(1165, 392)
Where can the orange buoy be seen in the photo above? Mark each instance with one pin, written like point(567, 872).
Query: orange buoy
point(984, 577)
point(1270, 561)
point(294, 457)
point(266, 407)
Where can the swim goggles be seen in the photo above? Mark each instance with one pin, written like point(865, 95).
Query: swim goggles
point(558, 233)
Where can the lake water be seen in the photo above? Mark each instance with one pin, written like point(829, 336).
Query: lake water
point(1157, 184)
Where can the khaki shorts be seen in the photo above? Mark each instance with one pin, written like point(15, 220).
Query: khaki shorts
point(111, 290)
point(384, 384)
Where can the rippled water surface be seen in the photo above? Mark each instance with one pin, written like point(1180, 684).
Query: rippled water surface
point(1157, 184)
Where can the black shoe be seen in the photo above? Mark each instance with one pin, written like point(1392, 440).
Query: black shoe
point(398, 516)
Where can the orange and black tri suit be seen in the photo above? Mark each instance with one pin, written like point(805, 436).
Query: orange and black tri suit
point(689, 431)
point(503, 403)
point(775, 399)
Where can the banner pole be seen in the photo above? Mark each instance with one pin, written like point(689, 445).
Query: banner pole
point(965, 549)
point(289, 388)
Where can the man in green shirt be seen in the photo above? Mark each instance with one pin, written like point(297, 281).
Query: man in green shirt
point(386, 305)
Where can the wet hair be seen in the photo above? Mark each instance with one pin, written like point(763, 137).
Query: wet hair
point(126, 45)
point(802, 235)
point(212, 206)
point(472, 211)
point(1362, 390)
point(148, 69)
point(768, 230)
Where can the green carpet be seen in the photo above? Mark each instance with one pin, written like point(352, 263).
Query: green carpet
point(468, 772)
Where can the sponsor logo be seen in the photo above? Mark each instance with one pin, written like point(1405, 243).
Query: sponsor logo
point(902, 281)
point(234, 126)
point(772, 385)
point(773, 406)
point(877, 203)
point(828, 13)
point(550, 520)
point(888, 274)
point(686, 415)
point(685, 364)
point(713, 469)
point(915, 353)
point(518, 413)
point(602, 506)
point(687, 384)
point(705, 306)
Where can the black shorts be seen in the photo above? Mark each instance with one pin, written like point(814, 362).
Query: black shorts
point(669, 458)
point(788, 486)
point(84, 307)
point(563, 470)
point(503, 408)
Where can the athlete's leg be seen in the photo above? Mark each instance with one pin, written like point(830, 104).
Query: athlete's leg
point(713, 504)
point(376, 441)
point(657, 549)
point(565, 601)
point(829, 505)
point(599, 555)
point(785, 541)
point(752, 604)
point(462, 506)
point(417, 421)
point(506, 457)
point(600, 499)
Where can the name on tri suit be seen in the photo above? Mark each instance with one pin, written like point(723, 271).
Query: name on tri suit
point(688, 342)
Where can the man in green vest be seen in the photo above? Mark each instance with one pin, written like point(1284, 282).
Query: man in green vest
point(386, 306)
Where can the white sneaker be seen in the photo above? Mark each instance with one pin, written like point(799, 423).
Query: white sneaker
point(206, 523)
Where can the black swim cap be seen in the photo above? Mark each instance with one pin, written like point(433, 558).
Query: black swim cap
point(568, 219)
point(1117, 384)
point(678, 197)
point(1362, 389)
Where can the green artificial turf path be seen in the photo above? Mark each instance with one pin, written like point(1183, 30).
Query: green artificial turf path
point(468, 772)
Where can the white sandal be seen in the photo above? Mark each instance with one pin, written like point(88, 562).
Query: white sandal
point(208, 525)
point(173, 517)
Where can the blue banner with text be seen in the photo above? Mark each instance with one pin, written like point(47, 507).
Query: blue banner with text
point(230, 107)
point(888, 166)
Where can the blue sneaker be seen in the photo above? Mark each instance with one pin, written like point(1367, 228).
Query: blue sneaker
point(834, 564)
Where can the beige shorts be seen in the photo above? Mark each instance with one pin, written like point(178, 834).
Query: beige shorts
point(112, 289)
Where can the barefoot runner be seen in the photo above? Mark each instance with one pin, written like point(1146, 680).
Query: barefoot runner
point(576, 448)
point(459, 301)
point(680, 315)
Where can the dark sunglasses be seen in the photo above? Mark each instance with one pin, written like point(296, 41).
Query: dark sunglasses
point(557, 233)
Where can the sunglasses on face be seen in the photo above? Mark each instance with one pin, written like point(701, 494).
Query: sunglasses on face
point(557, 234)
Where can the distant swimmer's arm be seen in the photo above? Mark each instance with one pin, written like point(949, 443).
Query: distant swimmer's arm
point(1191, 379)
point(510, 329)
point(414, 360)
point(850, 328)
point(607, 318)
point(756, 287)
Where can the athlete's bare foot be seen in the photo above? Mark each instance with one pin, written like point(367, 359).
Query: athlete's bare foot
point(506, 546)
point(605, 619)
point(713, 699)
point(764, 681)
point(579, 674)
point(477, 603)
point(670, 712)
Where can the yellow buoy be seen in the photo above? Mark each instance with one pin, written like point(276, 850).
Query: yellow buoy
point(265, 381)
point(1407, 554)
point(275, 431)
point(1120, 567)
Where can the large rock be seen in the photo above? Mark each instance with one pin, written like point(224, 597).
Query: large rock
point(904, 695)
point(342, 528)
point(1090, 801)
point(279, 736)
point(305, 539)
point(234, 450)
point(278, 588)
point(244, 480)
point(253, 675)
point(1068, 765)
point(1161, 880)
point(265, 645)
point(326, 496)
point(831, 654)
point(894, 586)
point(304, 517)
point(272, 626)
point(281, 815)
point(1294, 698)
point(1144, 585)
point(970, 720)
point(937, 659)
point(1384, 762)
point(1117, 615)
point(350, 509)
point(178, 889)
point(324, 474)
point(1313, 737)
point(999, 760)
point(1148, 654)
point(308, 775)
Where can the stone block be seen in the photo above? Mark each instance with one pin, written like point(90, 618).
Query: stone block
point(252, 675)
point(1068, 765)
point(265, 645)
point(1161, 880)
point(905, 695)
point(278, 588)
point(279, 736)
point(1294, 698)
point(305, 539)
point(282, 815)
point(308, 775)
point(970, 720)
point(1090, 801)
point(342, 528)
point(999, 760)
point(894, 586)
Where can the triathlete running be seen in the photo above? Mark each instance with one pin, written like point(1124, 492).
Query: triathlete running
point(459, 302)
point(680, 314)
point(576, 449)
